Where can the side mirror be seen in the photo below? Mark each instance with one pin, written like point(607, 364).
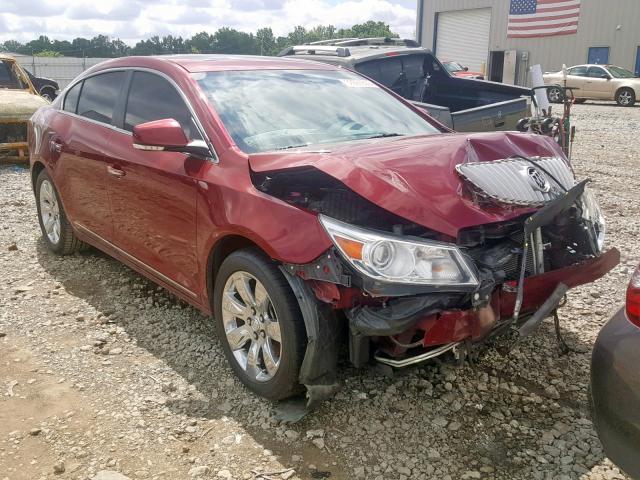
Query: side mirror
point(466, 69)
point(167, 135)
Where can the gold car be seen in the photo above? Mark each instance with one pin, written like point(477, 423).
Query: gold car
point(18, 101)
point(596, 82)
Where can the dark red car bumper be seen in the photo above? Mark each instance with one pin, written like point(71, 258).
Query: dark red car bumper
point(457, 325)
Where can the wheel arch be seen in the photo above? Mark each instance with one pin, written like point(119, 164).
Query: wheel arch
point(625, 87)
point(36, 168)
point(224, 247)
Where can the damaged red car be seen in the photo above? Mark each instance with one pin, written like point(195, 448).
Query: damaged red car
point(305, 206)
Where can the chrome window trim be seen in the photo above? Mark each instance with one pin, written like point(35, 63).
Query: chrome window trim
point(214, 159)
point(141, 264)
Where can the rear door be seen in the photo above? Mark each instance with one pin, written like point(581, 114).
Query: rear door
point(598, 83)
point(77, 140)
point(153, 193)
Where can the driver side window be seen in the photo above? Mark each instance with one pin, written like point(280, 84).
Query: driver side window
point(578, 71)
point(152, 97)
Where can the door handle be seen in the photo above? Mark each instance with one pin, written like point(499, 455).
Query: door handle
point(115, 172)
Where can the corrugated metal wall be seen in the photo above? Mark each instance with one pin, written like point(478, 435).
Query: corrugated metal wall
point(60, 69)
point(603, 23)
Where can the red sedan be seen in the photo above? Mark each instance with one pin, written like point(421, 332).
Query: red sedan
point(457, 70)
point(303, 206)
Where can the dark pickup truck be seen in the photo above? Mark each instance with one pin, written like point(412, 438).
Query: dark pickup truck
point(414, 73)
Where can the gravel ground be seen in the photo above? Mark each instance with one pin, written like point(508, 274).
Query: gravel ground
point(103, 372)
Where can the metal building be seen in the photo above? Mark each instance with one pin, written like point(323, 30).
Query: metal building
point(474, 33)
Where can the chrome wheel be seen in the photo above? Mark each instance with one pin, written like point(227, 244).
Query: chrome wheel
point(251, 326)
point(624, 98)
point(50, 212)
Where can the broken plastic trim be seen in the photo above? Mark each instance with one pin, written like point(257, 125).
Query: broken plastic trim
point(319, 366)
point(398, 314)
point(542, 217)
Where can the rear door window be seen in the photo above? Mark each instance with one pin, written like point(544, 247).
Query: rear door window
point(99, 96)
point(71, 98)
point(597, 72)
point(152, 97)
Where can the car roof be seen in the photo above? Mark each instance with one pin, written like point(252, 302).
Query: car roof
point(208, 63)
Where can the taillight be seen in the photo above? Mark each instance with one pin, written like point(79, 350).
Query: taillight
point(633, 298)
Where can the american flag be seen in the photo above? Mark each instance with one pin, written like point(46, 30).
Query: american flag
point(541, 18)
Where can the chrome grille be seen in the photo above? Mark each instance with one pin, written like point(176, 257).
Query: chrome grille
point(519, 182)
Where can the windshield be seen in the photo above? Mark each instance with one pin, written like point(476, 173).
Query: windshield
point(618, 72)
point(266, 110)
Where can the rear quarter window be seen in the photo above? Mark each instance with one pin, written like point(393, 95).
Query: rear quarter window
point(99, 96)
point(71, 98)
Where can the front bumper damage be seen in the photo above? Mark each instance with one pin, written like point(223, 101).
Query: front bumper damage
point(413, 325)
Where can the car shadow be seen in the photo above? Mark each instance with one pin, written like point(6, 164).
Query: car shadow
point(183, 339)
point(596, 103)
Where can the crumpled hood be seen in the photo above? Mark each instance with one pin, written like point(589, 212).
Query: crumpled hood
point(20, 104)
point(415, 177)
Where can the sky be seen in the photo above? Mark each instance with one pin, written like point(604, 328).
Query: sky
point(132, 20)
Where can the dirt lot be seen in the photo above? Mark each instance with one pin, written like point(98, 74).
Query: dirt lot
point(157, 400)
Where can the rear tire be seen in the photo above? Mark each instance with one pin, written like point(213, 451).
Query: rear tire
point(254, 307)
point(56, 229)
point(48, 94)
point(625, 97)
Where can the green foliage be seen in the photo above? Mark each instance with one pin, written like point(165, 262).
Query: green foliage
point(224, 40)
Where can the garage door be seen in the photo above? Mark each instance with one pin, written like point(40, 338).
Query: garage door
point(463, 36)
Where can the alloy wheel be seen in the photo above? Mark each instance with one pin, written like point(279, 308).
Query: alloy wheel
point(50, 211)
point(624, 98)
point(251, 326)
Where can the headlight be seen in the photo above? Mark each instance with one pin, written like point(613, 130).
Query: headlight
point(592, 214)
point(394, 259)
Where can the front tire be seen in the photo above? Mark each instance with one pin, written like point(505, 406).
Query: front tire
point(626, 97)
point(56, 229)
point(555, 95)
point(259, 323)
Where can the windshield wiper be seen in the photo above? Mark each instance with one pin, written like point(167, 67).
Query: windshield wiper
point(294, 146)
point(381, 135)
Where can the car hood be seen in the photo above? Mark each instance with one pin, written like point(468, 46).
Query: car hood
point(415, 177)
point(19, 104)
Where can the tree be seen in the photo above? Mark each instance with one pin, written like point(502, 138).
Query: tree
point(201, 43)
point(266, 42)
point(224, 40)
point(367, 30)
point(11, 46)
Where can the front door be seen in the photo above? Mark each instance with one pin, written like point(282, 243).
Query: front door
point(153, 193)
point(78, 144)
point(577, 78)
